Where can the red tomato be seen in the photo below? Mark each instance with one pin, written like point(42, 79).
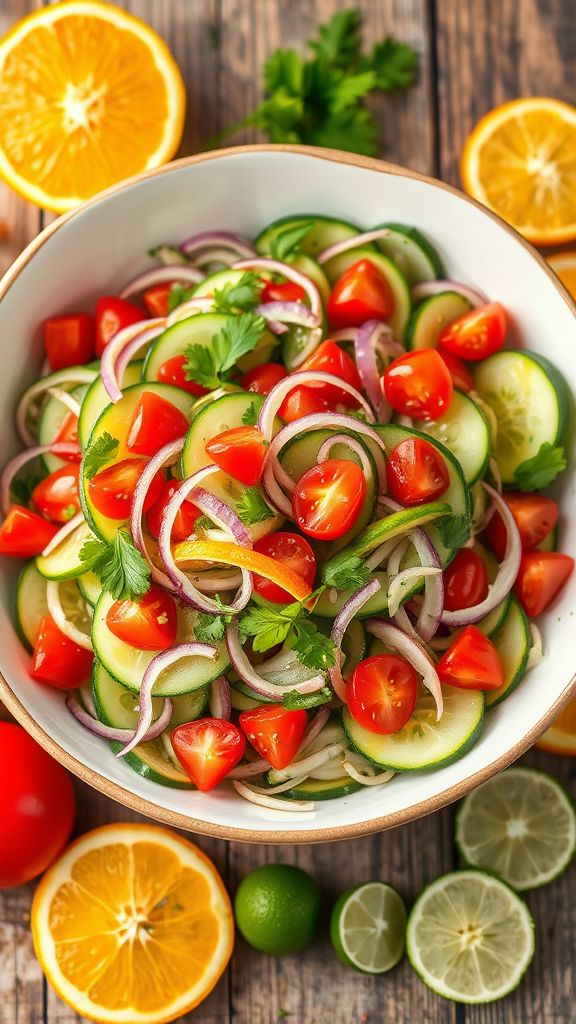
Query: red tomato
point(186, 515)
point(56, 496)
point(58, 661)
point(172, 372)
point(286, 291)
point(240, 452)
point(37, 807)
point(150, 624)
point(465, 581)
point(328, 499)
point(471, 662)
point(381, 693)
point(274, 732)
point(112, 314)
point(208, 749)
point(263, 378)
point(68, 434)
point(69, 340)
point(362, 293)
point(330, 358)
point(156, 299)
point(23, 534)
point(461, 376)
point(416, 472)
point(477, 334)
point(154, 423)
point(540, 577)
point(303, 401)
point(419, 384)
point(291, 550)
point(534, 514)
point(112, 489)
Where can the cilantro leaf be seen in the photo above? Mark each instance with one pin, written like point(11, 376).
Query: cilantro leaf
point(101, 451)
point(241, 296)
point(454, 531)
point(353, 129)
point(209, 629)
point(286, 243)
point(338, 41)
point(266, 626)
point(346, 573)
point(250, 417)
point(271, 626)
point(313, 648)
point(539, 471)
point(21, 488)
point(210, 367)
point(393, 64)
point(122, 569)
point(295, 701)
point(252, 508)
point(284, 70)
point(178, 294)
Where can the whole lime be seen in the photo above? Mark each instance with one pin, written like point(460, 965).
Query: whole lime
point(277, 908)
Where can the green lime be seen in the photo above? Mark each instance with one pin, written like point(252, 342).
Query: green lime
point(368, 927)
point(277, 908)
point(521, 825)
point(470, 937)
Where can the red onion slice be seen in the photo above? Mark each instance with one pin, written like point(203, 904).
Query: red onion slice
point(227, 240)
point(289, 313)
point(248, 771)
point(166, 456)
point(71, 403)
point(355, 242)
point(425, 289)
point(242, 665)
point(287, 271)
point(67, 529)
point(375, 337)
point(223, 516)
point(255, 797)
point(313, 729)
point(182, 273)
point(145, 330)
point(433, 604)
point(107, 732)
point(192, 307)
point(75, 375)
point(15, 464)
point(345, 616)
point(351, 443)
point(414, 653)
point(220, 699)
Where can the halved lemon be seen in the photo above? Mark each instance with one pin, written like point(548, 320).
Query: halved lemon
point(132, 925)
point(560, 738)
point(564, 264)
point(520, 161)
point(89, 95)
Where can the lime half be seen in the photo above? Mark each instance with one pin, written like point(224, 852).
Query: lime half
point(521, 825)
point(368, 927)
point(470, 937)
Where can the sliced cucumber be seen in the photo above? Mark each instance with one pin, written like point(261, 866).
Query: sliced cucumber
point(332, 601)
point(431, 316)
point(52, 418)
point(30, 604)
point(241, 702)
point(201, 329)
point(64, 379)
point(127, 665)
point(89, 586)
point(117, 706)
point(399, 286)
point(152, 760)
point(529, 398)
point(465, 432)
point(97, 398)
point(64, 563)
point(324, 231)
point(411, 251)
point(512, 641)
point(321, 789)
point(116, 420)
point(424, 742)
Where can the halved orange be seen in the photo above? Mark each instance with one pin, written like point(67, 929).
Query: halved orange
point(564, 264)
point(520, 161)
point(89, 95)
point(560, 738)
point(132, 925)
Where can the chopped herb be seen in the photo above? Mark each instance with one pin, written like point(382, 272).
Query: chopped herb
point(178, 294)
point(122, 569)
point(209, 629)
point(286, 244)
point(346, 573)
point(213, 366)
point(250, 417)
point(269, 626)
point(295, 701)
point(454, 531)
point(243, 295)
point(252, 508)
point(101, 451)
point(539, 471)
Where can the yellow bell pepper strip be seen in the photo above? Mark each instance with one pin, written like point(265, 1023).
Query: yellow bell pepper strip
point(224, 552)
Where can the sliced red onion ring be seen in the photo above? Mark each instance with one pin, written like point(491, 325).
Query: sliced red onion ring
point(166, 456)
point(425, 289)
point(183, 273)
point(351, 243)
point(77, 375)
point(414, 653)
point(431, 610)
point(507, 570)
point(309, 763)
point(15, 464)
point(351, 443)
point(344, 334)
point(313, 729)
point(289, 313)
point(107, 732)
point(213, 584)
point(226, 240)
point(383, 552)
point(287, 271)
point(223, 516)
point(348, 612)
point(200, 304)
point(68, 528)
point(64, 624)
point(363, 779)
point(242, 665)
point(375, 337)
point(159, 663)
point(396, 590)
point(220, 699)
point(71, 403)
point(248, 771)
point(145, 330)
point(255, 797)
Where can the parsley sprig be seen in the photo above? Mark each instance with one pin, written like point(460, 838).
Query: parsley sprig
point(539, 471)
point(239, 297)
point(252, 508)
point(290, 623)
point(122, 569)
point(346, 573)
point(99, 452)
point(213, 366)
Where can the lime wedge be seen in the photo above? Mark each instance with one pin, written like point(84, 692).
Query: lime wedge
point(521, 825)
point(368, 927)
point(470, 937)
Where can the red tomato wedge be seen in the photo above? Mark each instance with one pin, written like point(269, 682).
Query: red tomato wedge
point(284, 291)
point(540, 577)
point(534, 514)
point(112, 314)
point(477, 334)
point(465, 581)
point(303, 401)
point(155, 422)
point(275, 732)
point(68, 434)
point(461, 376)
point(471, 662)
point(112, 489)
point(330, 358)
point(416, 472)
point(57, 660)
point(419, 384)
point(208, 749)
point(186, 515)
point(149, 624)
point(261, 379)
point(69, 340)
point(56, 496)
point(328, 499)
point(381, 693)
point(156, 299)
point(291, 550)
point(240, 452)
point(24, 534)
point(173, 372)
point(361, 293)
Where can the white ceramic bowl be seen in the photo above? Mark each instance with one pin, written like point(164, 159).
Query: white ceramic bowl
point(104, 243)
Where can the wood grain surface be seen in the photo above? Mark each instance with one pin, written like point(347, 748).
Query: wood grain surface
point(473, 54)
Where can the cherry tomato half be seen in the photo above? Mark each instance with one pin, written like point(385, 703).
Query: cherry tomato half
point(381, 693)
point(471, 662)
point(56, 496)
point(69, 340)
point(289, 549)
point(416, 472)
point(68, 434)
point(284, 291)
point(150, 624)
point(112, 489)
point(112, 314)
point(261, 379)
point(476, 334)
point(461, 376)
point(330, 358)
point(419, 384)
point(156, 299)
point(186, 515)
point(328, 499)
point(57, 660)
point(173, 372)
point(240, 452)
point(208, 749)
point(465, 581)
point(155, 422)
point(275, 732)
point(24, 534)
point(534, 514)
point(541, 575)
point(361, 293)
point(303, 401)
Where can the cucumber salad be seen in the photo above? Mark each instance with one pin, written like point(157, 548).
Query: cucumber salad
point(282, 508)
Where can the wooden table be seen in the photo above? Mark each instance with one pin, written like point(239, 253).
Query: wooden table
point(474, 54)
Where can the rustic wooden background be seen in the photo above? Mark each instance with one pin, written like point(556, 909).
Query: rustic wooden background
point(473, 55)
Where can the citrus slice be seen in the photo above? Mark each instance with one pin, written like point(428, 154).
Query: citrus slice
point(564, 264)
point(132, 924)
point(560, 738)
point(520, 161)
point(89, 95)
point(368, 927)
point(470, 937)
point(521, 825)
